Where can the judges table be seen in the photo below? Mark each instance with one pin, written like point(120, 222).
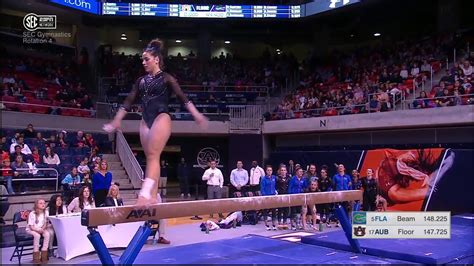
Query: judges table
point(72, 236)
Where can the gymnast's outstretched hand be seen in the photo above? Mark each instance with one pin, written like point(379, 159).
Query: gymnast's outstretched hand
point(202, 121)
point(112, 126)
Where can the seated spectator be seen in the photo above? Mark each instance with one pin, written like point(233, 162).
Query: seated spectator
point(93, 158)
point(457, 100)
point(80, 140)
point(7, 175)
point(38, 227)
point(36, 158)
point(56, 206)
point(4, 145)
point(445, 100)
point(95, 164)
point(113, 197)
point(18, 153)
point(83, 168)
point(467, 68)
point(86, 102)
point(90, 142)
point(4, 204)
point(29, 132)
point(348, 108)
point(426, 67)
point(51, 142)
point(373, 104)
point(404, 72)
point(41, 93)
point(61, 139)
point(8, 79)
point(422, 101)
point(72, 179)
point(50, 158)
point(24, 147)
point(415, 70)
point(39, 140)
point(20, 169)
point(83, 201)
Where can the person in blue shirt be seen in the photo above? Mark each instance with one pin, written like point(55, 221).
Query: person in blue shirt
point(268, 188)
point(342, 182)
point(297, 185)
point(72, 179)
point(101, 182)
point(71, 184)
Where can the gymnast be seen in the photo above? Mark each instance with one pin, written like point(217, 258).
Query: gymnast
point(154, 91)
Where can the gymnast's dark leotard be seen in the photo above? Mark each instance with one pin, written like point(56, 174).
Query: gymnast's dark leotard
point(154, 93)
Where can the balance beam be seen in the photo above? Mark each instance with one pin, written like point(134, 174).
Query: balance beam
point(125, 214)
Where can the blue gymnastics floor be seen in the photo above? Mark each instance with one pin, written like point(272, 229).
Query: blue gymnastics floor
point(458, 249)
point(253, 249)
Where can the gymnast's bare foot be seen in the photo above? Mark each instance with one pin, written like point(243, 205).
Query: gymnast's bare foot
point(145, 202)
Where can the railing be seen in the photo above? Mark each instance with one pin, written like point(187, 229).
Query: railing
point(105, 110)
point(47, 109)
point(30, 171)
point(244, 118)
point(464, 99)
point(316, 112)
point(129, 162)
point(233, 88)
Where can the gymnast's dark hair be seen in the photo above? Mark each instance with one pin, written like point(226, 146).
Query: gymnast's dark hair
point(155, 48)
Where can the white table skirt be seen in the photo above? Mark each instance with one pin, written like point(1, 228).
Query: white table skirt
point(72, 236)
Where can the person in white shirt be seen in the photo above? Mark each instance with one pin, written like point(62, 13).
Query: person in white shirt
point(83, 201)
point(256, 173)
point(404, 72)
point(415, 70)
point(467, 68)
point(24, 147)
point(38, 227)
point(425, 67)
point(239, 177)
point(215, 182)
point(50, 158)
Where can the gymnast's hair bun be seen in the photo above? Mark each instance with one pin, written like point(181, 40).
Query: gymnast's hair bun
point(156, 44)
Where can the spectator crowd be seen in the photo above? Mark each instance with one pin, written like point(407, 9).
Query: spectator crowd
point(43, 86)
point(374, 79)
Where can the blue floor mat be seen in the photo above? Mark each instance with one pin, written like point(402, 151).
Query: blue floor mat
point(252, 249)
point(463, 219)
point(430, 251)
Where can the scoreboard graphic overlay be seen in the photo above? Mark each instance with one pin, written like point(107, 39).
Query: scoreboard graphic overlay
point(409, 225)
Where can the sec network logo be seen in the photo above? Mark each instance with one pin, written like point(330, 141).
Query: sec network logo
point(359, 218)
point(34, 22)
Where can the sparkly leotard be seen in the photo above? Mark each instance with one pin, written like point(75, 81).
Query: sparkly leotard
point(154, 93)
